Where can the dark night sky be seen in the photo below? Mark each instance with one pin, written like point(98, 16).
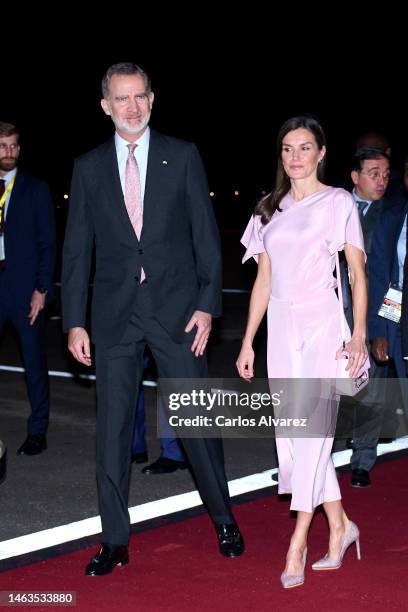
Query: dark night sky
point(229, 95)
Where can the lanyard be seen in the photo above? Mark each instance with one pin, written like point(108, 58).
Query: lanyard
point(6, 192)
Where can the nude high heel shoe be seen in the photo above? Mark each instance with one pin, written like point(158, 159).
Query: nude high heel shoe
point(351, 535)
point(288, 582)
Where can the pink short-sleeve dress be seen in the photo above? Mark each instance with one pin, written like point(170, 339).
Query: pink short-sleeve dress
point(304, 320)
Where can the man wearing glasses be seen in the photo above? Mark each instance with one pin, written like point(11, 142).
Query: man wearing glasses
point(27, 261)
point(370, 175)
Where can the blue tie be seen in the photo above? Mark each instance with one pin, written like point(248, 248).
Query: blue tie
point(361, 205)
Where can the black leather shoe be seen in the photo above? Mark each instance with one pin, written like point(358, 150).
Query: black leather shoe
point(3, 461)
point(163, 465)
point(385, 440)
point(106, 559)
point(33, 445)
point(140, 457)
point(230, 540)
point(360, 478)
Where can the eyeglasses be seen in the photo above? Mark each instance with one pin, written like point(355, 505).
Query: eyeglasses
point(5, 147)
point(375, 175)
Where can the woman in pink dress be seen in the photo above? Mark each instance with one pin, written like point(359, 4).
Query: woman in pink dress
point(294, 235)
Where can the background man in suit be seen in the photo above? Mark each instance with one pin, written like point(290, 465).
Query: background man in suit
point(143, 198)
point(27, 260)
point(376, 140)
point(387, 270)
point(404, 315)
point(370, 175)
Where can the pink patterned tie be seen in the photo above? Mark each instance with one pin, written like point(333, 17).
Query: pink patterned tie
point(133, 196)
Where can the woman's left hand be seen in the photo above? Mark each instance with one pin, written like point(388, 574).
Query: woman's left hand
point(357, 355)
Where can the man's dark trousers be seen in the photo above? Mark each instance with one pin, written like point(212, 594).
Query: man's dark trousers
point(119, 371)
point(32, 341)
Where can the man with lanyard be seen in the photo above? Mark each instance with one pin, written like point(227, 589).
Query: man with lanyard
point(386, 282)
point(27, 261)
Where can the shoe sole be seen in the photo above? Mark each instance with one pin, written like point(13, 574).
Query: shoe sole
point(154, 472)
point(110, 571)
point(232, 555)
point(293, 586)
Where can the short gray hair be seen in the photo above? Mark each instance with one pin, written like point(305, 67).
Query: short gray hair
point(127, 68)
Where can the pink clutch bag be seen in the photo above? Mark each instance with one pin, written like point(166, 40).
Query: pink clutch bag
point(345, 385)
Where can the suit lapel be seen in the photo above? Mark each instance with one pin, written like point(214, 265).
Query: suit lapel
point(398, 229)
point(368, 223)
point(370, 218)
point(113, 188)
point(157, 163)
point(15, 198)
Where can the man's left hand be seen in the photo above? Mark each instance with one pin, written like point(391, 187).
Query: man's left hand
point(36, 305)
point(203, 321)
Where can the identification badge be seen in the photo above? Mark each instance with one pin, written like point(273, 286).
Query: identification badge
point(391, 307)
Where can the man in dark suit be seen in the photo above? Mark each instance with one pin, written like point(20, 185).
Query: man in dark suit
point(143, 199)
point(370, 175)
point(376, 140)
point(385, 297)
point(387, 270)
point(27, 260)
point(404, 314)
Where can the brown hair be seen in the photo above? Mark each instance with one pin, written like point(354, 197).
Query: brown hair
point(270, 203)
point(8, 129)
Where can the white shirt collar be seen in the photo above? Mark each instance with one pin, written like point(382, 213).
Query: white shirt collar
point(7, 177)
point(143, 142)
point(359, 199)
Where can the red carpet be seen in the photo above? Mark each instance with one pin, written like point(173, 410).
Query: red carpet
point(178, 567)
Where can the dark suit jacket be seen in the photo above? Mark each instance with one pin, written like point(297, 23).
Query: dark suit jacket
point(179, 246)
point(384, 270)
point(29, 236)
point(404, 316)
point(368, 224)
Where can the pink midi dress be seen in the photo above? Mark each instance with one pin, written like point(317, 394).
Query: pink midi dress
point(304, 321)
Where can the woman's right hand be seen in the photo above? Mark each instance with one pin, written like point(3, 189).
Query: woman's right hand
point(245, 363)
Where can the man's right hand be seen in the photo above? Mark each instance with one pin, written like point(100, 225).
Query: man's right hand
point(379, 348)
point(79, 345)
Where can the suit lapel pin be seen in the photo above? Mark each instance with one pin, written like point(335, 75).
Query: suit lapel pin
point(164, 162)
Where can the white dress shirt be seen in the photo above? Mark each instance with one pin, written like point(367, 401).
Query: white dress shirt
point(7, 178)
point(141, 153)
